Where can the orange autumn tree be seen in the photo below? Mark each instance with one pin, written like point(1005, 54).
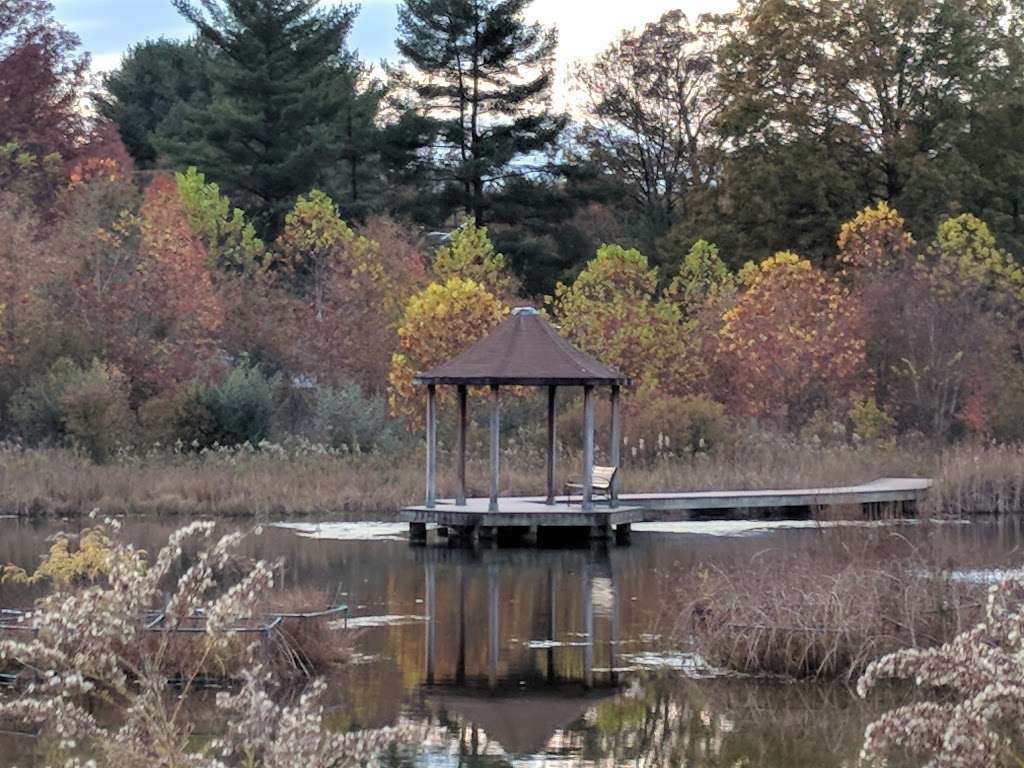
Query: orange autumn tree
point(790, 344)
point(159, 312)
point(439, 322)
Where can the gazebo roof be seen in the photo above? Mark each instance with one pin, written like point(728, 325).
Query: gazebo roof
point(523, 350)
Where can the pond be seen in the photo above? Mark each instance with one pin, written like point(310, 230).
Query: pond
point(544, 657)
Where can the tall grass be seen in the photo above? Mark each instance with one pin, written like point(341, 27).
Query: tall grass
point(309, 480)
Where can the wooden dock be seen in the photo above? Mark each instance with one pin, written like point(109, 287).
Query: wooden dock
point(474, 519)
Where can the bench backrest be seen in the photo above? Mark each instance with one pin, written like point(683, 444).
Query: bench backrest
point(603, 476)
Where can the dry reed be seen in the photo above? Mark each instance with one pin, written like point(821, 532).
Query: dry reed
point(279, 483)
point(825, 608)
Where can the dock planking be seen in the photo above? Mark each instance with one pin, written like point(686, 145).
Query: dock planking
point(533, 512)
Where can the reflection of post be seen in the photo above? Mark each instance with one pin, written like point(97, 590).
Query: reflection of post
point(551, 624)
point(431, 621)
point(588, 626)
point(614, 644)
point(492, 626)
point(460, 664)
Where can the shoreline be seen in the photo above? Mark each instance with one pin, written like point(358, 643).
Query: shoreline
point(277, 483)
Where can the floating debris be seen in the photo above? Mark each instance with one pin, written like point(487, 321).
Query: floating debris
point(361, 531)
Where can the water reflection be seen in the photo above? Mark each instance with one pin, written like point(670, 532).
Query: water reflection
point(530, 657)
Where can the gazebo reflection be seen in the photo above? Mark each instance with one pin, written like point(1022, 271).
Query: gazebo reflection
point(565, 637)
point(519, 643)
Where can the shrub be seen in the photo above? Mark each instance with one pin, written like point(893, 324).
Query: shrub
point(871, 423)
point(86, 407)
point(346, 418)
point(652, 425)
point(36, 409)
point(237, 410)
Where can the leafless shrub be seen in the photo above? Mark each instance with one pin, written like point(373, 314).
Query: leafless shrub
point(89, 646)
point(974, 717)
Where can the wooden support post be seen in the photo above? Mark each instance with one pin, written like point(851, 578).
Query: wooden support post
point(431, 445)
point(460, 489)
point(623, 534)
point(460, 662)
point(552, 625)
point(492, 626)
point(588, 626)
point(588, 448)
point(431, 609)
point(613, 644)
point(616, 452)
point(417, 533)
point(495, 444)
point(551, 444)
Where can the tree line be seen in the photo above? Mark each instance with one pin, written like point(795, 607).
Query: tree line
point(803, 213)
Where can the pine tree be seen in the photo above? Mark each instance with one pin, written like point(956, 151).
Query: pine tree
point(271, 125)
point(483, 77)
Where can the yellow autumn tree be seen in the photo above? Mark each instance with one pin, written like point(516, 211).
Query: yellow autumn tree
point(469, 254)
point(439, 322)
point(875, 239)
point(612, 311)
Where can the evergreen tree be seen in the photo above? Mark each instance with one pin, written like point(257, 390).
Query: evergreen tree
point(141, 96)
point(483, 79)
point(271, 126)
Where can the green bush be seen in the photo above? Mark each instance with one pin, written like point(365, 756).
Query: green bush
point(238, 410)
point(871, 423)
point(347, 419)
point(85, 407)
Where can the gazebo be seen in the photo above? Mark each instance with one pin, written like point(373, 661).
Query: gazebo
point(524, 350)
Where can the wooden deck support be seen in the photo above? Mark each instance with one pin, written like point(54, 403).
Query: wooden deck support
point(495, 445)
point(460, 480)
point(552, 390)
point(588, 448)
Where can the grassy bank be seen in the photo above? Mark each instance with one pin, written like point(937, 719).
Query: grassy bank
point(306, 480)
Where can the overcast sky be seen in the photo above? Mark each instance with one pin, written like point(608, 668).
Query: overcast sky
point(108, 27)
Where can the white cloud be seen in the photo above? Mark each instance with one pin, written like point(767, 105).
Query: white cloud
point(104, 62)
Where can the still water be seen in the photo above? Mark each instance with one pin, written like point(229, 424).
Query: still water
point(543, 657)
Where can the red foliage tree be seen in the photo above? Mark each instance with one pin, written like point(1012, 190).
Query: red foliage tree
point(42, 78)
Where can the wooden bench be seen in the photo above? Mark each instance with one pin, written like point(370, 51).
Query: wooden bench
point(600, 483)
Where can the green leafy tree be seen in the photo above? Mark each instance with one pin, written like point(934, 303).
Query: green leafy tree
point(142, 96)
point(231, 242)
point(703, 278)
point(481, 75)
point(270, 127)
point(831, 106)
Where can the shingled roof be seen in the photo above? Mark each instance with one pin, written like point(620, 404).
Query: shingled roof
point(523, 350)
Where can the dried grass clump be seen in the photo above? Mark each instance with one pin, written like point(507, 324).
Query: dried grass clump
point(824, 610)
point(974, 480)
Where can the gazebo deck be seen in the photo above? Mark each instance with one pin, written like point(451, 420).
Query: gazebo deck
point(529, 511)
